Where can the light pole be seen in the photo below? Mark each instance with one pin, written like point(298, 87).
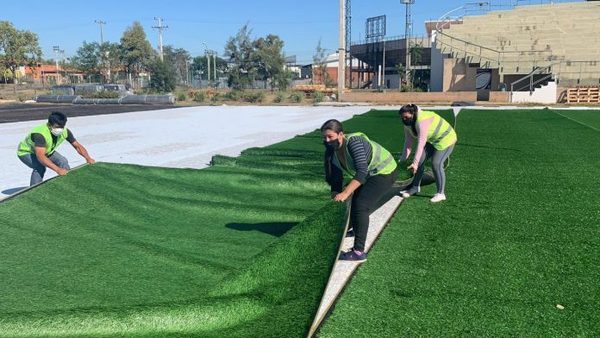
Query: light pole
point(56, 50)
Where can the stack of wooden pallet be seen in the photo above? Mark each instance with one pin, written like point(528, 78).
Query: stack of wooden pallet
point(583, 95)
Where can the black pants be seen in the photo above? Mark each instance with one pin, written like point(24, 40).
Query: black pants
point(364, 201)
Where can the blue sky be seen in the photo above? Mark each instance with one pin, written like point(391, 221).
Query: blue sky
point(299, 23)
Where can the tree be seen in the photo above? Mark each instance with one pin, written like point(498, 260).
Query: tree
point(88, 58)
point(270, 61)
point(17, 48)
point(199, 67)
point(179, 58)
point(320, 60)
point(136, 51)
point(163, 76)
point(239, 50)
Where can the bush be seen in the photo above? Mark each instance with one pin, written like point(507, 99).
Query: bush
point(216, 97)
point(199, 96)
point(254, 97)
point(318, 97)
point(234, 95)
point(279, 97)
point(181, 96)
point(104, 94)
point(296, 97)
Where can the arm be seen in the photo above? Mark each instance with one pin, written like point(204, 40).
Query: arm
point(359, 152)
point(40, 153)
point(408, 141)
point(333, 174)
point(422, 129)
point(83, 152)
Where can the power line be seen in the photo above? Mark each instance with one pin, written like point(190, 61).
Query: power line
point(160, 27)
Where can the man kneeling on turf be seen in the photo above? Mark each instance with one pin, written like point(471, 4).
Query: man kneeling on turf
point(38, 149)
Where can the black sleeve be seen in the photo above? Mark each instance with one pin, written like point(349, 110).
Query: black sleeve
point(360, 151)
point(38, 139)
point(333, 174)
point(70, 137)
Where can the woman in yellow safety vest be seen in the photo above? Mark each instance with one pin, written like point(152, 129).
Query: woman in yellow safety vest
point(373, 171)
point(435, 139)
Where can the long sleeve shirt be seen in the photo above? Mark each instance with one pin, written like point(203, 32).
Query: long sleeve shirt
point(421, 136)
point(361, 152)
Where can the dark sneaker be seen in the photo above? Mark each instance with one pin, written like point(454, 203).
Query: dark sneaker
point(353, 256)
point(350, 232)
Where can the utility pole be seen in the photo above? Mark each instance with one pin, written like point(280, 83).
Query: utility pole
point(342, 50)
point(214, 65)
point(407, 36)
point(160, 27)
point(348, 18)
point(207, 54)
point(56, 50)
point(101, 23)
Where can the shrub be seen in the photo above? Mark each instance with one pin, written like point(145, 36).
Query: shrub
point(234, 95)
point(279, 97)
point(254, 97)
point(296, 97)
point(199, 96)
point(216, 97)
point(318, 97)
point(181, 96)
point(104, 94)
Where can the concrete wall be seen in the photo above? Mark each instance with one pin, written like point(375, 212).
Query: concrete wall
point(408, 97)
point(437, 70)
point(546, 94)
point(458, 76)
point(499, 97)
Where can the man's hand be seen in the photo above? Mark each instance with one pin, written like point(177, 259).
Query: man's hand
point(62, 172)
point(341, 197)
point(413, 168)
point(90, 160)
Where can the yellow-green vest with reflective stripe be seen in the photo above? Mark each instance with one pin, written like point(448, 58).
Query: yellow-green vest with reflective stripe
point(441, 135)
point(27, 146)
point(381, 162)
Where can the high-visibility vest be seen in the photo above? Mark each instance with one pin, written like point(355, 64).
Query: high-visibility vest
point(381, 162)
point(27, 146)
point(441, 135)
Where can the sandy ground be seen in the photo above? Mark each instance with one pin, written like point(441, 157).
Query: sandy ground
point(179, 138)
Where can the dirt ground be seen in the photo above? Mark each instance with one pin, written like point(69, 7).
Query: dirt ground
point(16, 112)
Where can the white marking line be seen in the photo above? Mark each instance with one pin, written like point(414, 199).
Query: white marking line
point(343, 270)
point(583, 124)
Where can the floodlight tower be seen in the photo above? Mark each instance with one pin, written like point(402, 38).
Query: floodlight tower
point(349, 38)
point(407, 36)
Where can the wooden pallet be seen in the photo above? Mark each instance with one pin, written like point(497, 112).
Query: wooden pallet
point(583, 95)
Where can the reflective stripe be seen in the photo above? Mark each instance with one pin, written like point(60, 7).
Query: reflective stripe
point(444, 134)
point(381, 166)
point(438, 127)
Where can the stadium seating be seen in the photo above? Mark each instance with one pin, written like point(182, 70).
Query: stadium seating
point(562, 37)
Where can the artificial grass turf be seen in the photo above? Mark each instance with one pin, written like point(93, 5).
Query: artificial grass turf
point(139, 251)
point(518, 236)
point(588, 117)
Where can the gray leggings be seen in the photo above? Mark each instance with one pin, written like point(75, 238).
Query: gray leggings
point(37, 175)
point(437, 163)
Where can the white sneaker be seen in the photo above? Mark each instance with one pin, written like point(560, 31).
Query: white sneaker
point(409, 192)
point(438, 198)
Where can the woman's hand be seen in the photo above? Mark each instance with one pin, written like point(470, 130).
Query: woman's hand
point(413, 168)
point(341, 197)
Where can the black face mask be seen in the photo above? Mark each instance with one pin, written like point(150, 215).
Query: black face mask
point(333, 145)
point(409, 122)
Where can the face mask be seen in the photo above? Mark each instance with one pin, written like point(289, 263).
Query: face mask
point(335, 144)
point(56, 131)
point(409, 122)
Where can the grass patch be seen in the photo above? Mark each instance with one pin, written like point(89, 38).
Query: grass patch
point(518, 235)
point(237, 249)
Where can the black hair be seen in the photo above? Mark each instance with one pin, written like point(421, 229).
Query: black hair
point(409, 108)
point(57, 119)
point(333, 125)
